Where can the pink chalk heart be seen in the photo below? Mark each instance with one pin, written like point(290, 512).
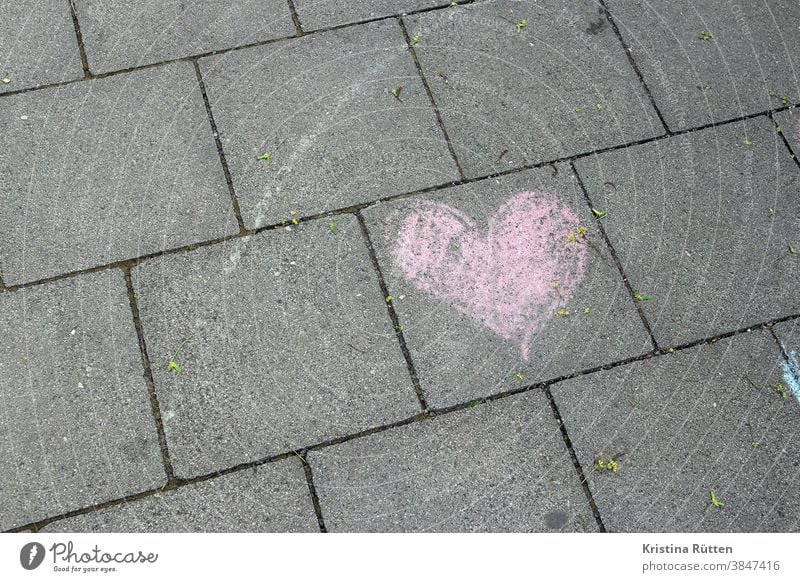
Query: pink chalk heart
point(512, 278)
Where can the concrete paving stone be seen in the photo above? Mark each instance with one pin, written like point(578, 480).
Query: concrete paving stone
point(679, 426)
point(285, 341)
point(789, 123)
point(702, 224)
point(465, 339)
point(37, 44)
point(76, 426)
point(267, 498)
point(706, 62)
point(126, 33)
point(316, 14)
point(105, 170)
point(500, 466)
point(321, 107)
point(513, 94)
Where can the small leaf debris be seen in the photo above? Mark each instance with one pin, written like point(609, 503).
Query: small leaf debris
point(598, 213)
point(266, 157)
point(705, 35)
point(715, 501)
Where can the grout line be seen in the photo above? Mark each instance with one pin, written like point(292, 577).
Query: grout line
point(785, 140)
point(433, 413)
point(604, 9)
point(87, 74)
point(614, 256)
point(234, 200)
point(398, 329)
point(148, 376)
point(312, 490)
point(296, 18)
point(575, 461)
point(435, 107)
point(133, 261)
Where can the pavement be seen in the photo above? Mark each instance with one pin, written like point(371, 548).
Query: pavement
point(315, 265)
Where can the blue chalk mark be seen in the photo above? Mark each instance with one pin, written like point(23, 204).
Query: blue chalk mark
point(791, 374)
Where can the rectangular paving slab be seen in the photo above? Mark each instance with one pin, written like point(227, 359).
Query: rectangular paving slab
point(503, 283)
point(657, 437)
point(702, 224)
point(311, 125)
point(500, 466)
point(37, 45)
point(75, 420)
point(283, 340)
point(127, 33)
point(520, 82)
point(105, 170)
point(267, 498)
point(706, 62)
point(321, 13)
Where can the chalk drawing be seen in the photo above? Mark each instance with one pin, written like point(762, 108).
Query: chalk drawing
point(791, 374)
point(503, 277)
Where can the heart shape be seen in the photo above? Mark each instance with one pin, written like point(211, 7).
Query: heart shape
point(513, 278)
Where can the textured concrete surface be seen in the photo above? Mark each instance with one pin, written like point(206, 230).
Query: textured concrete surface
point(705, 419)
point(111, 169)
point(126, 33)
point(75, 421)
point(321, 13)
point(322, 107)
point(37, 45)
point(407, 245)
point(706, 62)
point(500, 466)
point(704, 238)
point(289, 344)
point(266, 498)
point(458, 357)
point(560, 85)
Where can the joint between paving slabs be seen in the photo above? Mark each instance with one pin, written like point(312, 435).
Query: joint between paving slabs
point(215, 132)
point(628, 53)
point(412, 51)
point(398, 331)
point(785, 141)
point(148, 377)
point(616, 260)
point(298, 26)
point(576, 463)
point(87, 74)
point(312, 491)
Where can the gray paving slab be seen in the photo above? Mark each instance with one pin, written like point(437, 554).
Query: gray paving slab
point(682, 425)
point(106, 170)
point(702, 224)
point(321, 107)
point(789, 123)
point(500, 466)
point(706, 62)
point(127, 33)
point(479, 276)
point(76, 426)
point(511, 94)
point(286, 342)
point(316, 14)
point(267, 498)
point(37, 45)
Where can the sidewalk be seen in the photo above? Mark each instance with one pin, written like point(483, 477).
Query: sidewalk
point(399, 265)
